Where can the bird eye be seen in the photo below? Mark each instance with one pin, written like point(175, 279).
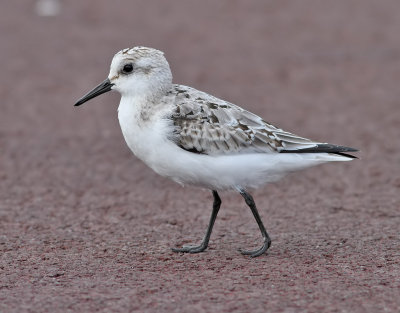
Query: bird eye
point(128, 68)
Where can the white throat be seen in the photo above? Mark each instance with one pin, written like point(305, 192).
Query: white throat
point(144, 127)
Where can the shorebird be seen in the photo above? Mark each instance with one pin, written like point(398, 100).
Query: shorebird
point(194, 138)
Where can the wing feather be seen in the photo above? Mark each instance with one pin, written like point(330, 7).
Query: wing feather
point(208, 125)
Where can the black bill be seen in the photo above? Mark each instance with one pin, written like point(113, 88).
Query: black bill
point(105, 86)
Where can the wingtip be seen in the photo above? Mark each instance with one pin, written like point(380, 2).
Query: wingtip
point(324, 148)
point(347, 155)
point(350, 149)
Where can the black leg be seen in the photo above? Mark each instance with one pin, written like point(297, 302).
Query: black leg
point(204, 244)
point(267, 241)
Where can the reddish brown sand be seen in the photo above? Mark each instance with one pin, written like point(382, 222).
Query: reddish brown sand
point(85, 226)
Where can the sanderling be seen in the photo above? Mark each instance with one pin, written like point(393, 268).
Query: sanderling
point(197, 139)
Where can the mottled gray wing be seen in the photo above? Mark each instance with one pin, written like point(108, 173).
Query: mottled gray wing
point(208, 125)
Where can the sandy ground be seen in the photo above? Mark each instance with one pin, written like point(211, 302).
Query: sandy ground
point(85, 226)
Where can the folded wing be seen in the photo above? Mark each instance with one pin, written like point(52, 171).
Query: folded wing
point(208, 125)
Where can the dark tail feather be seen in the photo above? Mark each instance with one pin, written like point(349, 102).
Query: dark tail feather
point(326, 148)
point(346, 155)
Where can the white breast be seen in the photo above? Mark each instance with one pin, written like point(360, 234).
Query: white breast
point(148, 136)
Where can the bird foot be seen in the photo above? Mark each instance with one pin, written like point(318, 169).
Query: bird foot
point(258, 252)
point(190, 249)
